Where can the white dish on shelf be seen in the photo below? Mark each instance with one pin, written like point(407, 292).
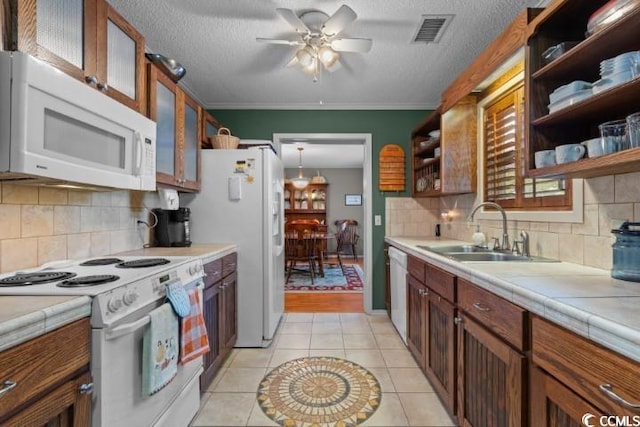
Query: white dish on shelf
point(570, 89)
point(570, 100)
point(435, 133)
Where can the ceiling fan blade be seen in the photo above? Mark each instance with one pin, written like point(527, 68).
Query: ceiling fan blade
point(293, 20)
point(339, 21)
point(280, 41)
point(352, 45)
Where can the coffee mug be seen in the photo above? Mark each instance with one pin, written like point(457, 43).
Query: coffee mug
point(569, 153)
point(545, 158)
point(599, 146)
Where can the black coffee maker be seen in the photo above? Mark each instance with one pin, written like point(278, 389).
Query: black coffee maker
point(173, 228)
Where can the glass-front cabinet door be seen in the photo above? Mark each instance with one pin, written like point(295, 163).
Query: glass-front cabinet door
point(59, 32)
point(86, 39)
point(163, 104)
point(210, 128)
point(191, 144)
point(120, 58)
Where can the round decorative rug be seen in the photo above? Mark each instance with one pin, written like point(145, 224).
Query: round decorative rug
point(319, 392)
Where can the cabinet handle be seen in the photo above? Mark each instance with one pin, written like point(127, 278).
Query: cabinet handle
point(607, 389)
point(457, 320)
point(8, 385)
point(86, 388)
point(91, 80)
point(103, 86)
point(480, 307)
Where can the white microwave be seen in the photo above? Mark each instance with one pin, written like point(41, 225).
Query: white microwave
point(54, 128)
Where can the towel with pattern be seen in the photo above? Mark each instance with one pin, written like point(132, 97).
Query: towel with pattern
point(160, 350)
point(193, 332)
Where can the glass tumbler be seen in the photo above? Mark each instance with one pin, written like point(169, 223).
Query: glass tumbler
point(633, 130)
point(615, 133)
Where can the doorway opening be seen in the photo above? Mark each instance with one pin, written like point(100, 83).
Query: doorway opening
point(337, 144)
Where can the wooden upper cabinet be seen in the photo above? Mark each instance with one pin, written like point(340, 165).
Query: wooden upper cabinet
point(458, 145)
point(210, 128)
point(566, 20)
point(86, 39)
point(179, 127)
point(120, 58)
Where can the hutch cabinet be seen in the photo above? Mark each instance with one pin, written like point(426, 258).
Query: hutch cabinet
point(308, 203)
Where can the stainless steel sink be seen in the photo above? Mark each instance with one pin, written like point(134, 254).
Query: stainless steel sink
point(471, 253)
point(454, 249)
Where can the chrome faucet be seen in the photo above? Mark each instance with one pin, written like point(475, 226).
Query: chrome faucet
point(505, 236)
point(525, 243)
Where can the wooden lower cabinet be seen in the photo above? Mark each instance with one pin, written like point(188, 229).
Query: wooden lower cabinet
point(554, 405)
point(491, 378)
point(440, 363)
point(431, 337)
point(220, 314)
point(52, 379)
point(416, 319)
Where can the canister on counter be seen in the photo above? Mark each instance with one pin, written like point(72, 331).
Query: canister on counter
point(626, 252)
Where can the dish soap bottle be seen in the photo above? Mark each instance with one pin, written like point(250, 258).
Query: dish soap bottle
point(478, 237)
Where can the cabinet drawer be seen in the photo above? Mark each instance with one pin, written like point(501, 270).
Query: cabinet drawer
point(213, 271)
point(42, 362)
point(229, 264)
point(416, 268)
point(503, 318)
point(442, 282)
point(586, 368)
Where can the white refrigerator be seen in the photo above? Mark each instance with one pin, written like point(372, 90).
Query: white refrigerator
point(241, 201)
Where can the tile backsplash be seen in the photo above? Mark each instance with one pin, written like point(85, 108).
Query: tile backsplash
point(41, 224)
point(608, 201)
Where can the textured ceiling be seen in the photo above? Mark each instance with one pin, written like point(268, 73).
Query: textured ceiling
point(215, 40)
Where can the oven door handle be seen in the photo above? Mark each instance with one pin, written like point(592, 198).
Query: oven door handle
point(127, 328)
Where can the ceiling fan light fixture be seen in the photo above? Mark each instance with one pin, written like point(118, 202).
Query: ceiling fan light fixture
point(327, 56)
point(306, 56)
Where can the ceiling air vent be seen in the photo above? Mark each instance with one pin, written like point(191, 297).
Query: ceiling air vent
point(432, 28)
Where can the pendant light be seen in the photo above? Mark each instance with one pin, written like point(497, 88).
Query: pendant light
point(300, 181)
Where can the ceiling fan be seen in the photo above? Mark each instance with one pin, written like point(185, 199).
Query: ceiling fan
point(317, 39)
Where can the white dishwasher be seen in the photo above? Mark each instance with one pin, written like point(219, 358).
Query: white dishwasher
point(398, 273)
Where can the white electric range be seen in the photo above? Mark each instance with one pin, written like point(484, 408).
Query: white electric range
point(124, 291)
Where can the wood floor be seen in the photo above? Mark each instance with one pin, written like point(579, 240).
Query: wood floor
point(315, 302)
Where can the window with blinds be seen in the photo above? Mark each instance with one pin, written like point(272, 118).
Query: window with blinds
point(504, 170)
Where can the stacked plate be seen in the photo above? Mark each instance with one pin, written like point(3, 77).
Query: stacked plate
point(617, 70)
point(569, 94)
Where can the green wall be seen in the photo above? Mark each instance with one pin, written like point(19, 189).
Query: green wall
point(385, 127)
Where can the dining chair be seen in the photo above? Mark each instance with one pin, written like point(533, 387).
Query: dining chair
point(301, 243)
point(347, 236)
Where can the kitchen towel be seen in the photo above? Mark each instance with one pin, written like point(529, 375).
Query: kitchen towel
point(193, 332)
point(160, 350)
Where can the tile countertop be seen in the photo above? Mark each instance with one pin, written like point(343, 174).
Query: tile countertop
point(208, 252)
point(583, 299)
point(25, 317)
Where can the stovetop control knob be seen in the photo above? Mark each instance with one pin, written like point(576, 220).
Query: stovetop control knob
point(114, 305)
point(130, 297)
point(195, 269)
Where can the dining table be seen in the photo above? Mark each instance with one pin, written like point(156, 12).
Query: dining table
point(323, 236)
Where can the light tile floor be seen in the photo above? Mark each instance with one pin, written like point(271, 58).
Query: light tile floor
point(371, 341)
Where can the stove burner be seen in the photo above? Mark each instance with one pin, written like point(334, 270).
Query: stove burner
point(83, 281)
point(35, 278)
point(101, 261)
point(144, 262)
